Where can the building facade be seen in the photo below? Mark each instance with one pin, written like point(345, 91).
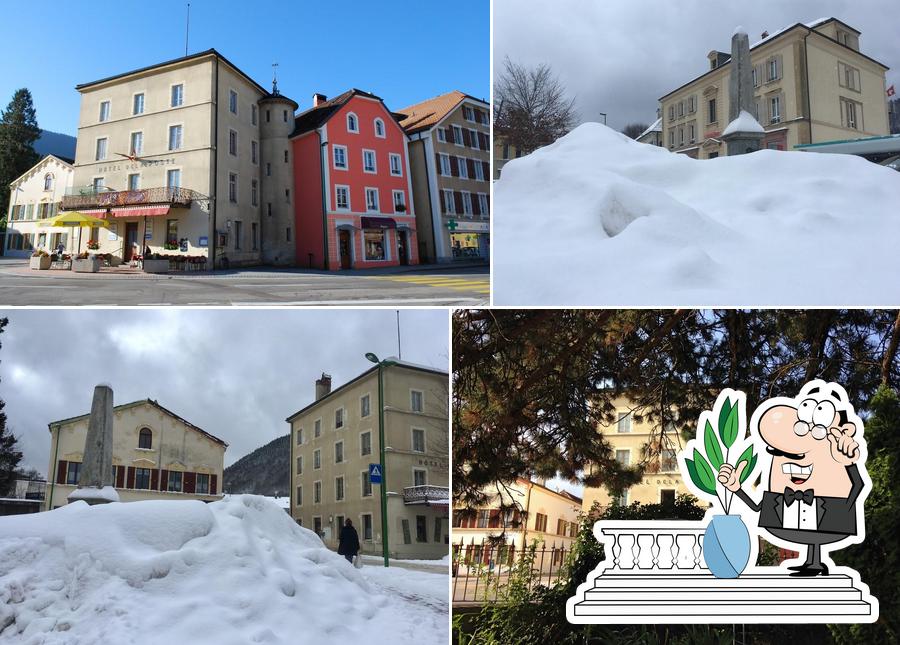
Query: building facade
point(334, 440)
point(641, 442)
point(156, 455)
point(450, 159)
point(172, 155)
point(354, 207)
point(652, 135)
point(811, 84)
point(503, 152)
point(36, 196)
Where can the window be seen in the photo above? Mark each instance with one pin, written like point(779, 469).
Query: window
point(317, 458)
point(457, 135)
point(238, 235)
point(145, 439)
point(441, 135)
point(374, 245)
point(177, 95)
point(134, 181)
point(285, 156)
point(379, 128)
point(287, 195)
point(468, 113)
point(48, 181)
point(174, 483)
point(342, 197)
point(365, 444)
point(72, 470)
point(317, 492)
point(268, 169)
point(340, 157)
point(396, 170)
point(671, 138)
point(420, 477)
point(851, 114)
point(352, 123)
point(681, 108)
point(175, 137)
point(562, 527)
point(339, 452)
point(681, 135)
point(299, 436)
point(463, 167)
point(775, 109)
point(254, 152)
point(339, 418)
point(99, 183)
point(772, 69)
point(755, 77)
point(668, 462)
point(372, 199)
point(399, 201)
point(479, 170)
point(317, 428)
point(137, 143)
point(848, 77)
point(369, 161)
point(671, 113)
point(483, 203)
point(232, 187)
point(253, 117)
point(269, 209)
point(173, 179)
point(712, 111)
point(202, 485)
point(667, 496)
point(142, 478)
point(232, 101)
point(449, 202)
point(232, 143)
point(364, 407)
point(540, 522)
point(172, 231)
point(268, 116)
point(473, 138)
point(254, 192)
point(421, 528)
point(300, 465)
point(444, 161)
point(623, 457)
point(137, 105)
point(367, 526)
point(467, 202)
point(365, 484)
point(299, 496)
point(284, 115)
point(692, 104)
point(623, 423)
point(339, 488)
point(417, 400)
point(104, 111)
point(418, 440)
point(101, 149)
point(691, 132)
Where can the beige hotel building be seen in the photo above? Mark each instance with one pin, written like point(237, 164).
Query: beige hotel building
point(189, 156)
point(156, 454)
point(334, 439)
point(811, 84)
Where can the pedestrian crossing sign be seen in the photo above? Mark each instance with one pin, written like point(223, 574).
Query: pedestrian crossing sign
point(375, 473)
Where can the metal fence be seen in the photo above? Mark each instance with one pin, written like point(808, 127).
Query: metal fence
point(481, 570)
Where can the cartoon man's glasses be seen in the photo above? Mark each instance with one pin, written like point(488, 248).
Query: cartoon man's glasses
point(814, 417)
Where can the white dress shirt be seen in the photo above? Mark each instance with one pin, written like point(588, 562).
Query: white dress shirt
point(800, 515)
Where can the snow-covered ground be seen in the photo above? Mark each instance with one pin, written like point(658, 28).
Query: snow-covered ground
point(235, 571)
point(599, 219)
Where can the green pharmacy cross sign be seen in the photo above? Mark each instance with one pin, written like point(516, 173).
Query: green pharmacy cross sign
point(793, 475)
point(452, 225)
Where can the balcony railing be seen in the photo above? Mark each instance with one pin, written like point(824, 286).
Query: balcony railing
point(661, 547)
point(88, 197)
point(426, 495)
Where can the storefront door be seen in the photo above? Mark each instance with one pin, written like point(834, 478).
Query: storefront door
point(131, 236)
point(344, 245)
point(402, 247)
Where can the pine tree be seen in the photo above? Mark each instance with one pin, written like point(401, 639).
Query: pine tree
point(9, 455)
point(18, 132)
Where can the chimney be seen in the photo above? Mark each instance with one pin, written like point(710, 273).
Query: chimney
point(318, 98)
point(323, 386)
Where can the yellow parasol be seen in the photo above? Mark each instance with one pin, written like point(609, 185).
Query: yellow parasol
point(73, 219)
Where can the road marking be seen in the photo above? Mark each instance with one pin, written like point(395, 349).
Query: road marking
point(457, 284)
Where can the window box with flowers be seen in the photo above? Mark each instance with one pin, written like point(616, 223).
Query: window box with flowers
point(171, 245)
point(93, 245)
point(40, 260)
point(84, 263)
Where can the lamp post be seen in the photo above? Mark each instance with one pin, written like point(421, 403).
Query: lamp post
point(384, 521)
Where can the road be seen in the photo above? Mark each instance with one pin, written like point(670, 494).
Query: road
point(435, 285)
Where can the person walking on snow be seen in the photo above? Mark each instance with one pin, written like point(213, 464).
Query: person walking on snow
point(348, 544)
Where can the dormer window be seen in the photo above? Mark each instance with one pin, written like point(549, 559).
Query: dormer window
point(48, 181)
point(352, 123)
point(379, 128)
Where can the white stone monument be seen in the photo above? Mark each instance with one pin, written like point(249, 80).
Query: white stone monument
point(96, 485)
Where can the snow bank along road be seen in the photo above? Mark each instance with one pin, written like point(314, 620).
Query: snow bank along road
point(232, 572)
point(599, 219)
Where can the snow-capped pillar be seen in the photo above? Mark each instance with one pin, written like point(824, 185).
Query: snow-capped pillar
point(741, 139)
point(95, 485)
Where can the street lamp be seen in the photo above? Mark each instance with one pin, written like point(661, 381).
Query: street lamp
point(384, 521)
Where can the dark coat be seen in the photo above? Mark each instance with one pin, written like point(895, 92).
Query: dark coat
point(349, 541)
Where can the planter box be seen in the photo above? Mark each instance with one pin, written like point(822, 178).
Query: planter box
point(156, 266)
point(89, 265)
point(40, 263)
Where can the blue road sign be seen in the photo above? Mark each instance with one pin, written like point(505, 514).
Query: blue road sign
point(375, 473)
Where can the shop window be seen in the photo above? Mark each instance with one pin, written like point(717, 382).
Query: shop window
point(172, 231)
point(374, 245)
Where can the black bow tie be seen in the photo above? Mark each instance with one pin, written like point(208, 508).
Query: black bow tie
point(791, 496)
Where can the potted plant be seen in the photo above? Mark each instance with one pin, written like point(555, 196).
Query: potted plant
point(726, 543)
point(40, 260)
point(155, 263)
point(93, 245)
point(85, 263)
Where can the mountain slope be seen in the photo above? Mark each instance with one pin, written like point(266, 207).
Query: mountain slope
point(263, 472)
point(55, 143)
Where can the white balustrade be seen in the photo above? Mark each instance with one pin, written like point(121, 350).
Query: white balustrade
point(652, 546)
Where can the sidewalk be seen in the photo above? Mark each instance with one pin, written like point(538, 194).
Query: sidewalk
point(419, 565)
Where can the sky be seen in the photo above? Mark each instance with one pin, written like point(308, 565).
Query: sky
point(620, 56)
point(403, 52)
point(235, 373)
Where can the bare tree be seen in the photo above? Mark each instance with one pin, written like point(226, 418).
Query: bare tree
point(634, 130)
point(532, 107)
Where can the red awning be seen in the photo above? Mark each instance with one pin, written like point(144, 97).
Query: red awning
point(377, 222)
point(140, 211)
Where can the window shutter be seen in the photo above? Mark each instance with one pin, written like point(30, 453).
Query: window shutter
point(483, 140)
point(486, 167)
point(476, 205)
point(61, 468)
point(120, 477)
point(130, 481)
point(190, 482)
point(437, 162)
point(154, 479)
point(457, 200)
point(470, 166)
point(212, 484)
point(466, 139)
point(450, 137)
point(454, 167)
point(443, 204)
point(778, 59)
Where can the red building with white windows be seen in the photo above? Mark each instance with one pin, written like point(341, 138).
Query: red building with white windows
point(353, 206)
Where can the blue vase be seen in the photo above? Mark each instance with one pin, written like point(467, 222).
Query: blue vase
point(726, 546)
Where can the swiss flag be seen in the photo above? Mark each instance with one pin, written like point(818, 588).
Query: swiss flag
point(890, 91)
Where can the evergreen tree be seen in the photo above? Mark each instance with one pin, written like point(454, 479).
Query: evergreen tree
point(9, 456)
point(18, 132)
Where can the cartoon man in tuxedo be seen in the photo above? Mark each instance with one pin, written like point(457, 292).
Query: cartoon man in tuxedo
point(814, 486)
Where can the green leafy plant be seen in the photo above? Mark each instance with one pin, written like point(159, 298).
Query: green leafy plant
point(703, 469)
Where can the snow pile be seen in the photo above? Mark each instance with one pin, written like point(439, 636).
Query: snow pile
point(91, 493)
point(234, 571)
point(743, 123)
point(599, 219)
